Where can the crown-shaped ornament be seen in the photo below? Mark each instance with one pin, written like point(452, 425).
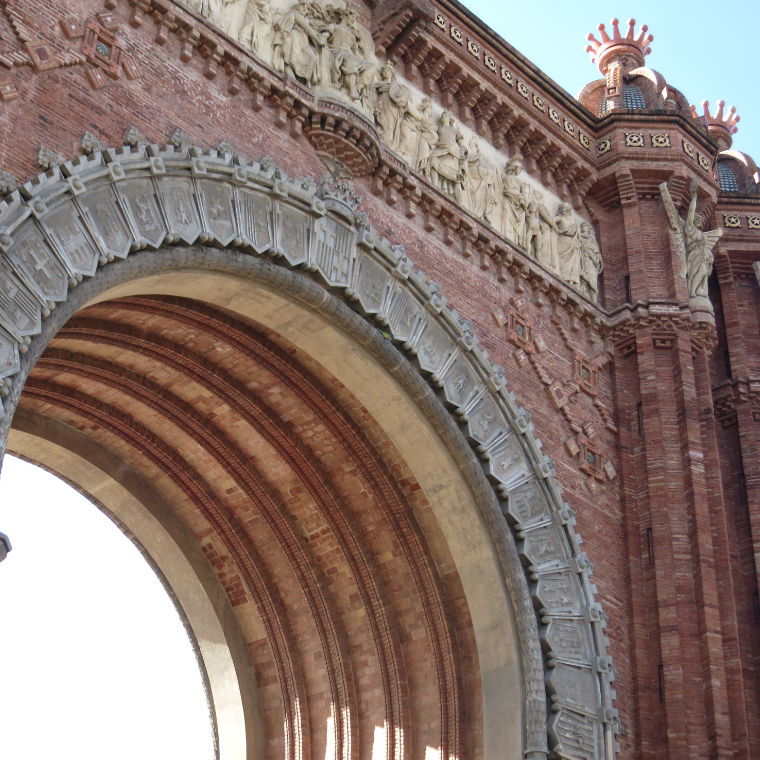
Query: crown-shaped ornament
point(617, 46)
point(721, 125)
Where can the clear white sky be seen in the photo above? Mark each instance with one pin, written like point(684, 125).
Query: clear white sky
point(95, 663)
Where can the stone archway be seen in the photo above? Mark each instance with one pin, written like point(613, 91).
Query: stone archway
point(314, 256)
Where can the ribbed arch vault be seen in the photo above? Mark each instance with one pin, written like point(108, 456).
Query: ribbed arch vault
point(344, 498)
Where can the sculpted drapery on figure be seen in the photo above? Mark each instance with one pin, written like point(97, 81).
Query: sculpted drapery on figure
point(388, 94)
point(427, 138)
point(351, 69)
point(446, 162)
point(694, 244)
point(323, 45)
point(244, 19)
point(591, 262)
point(297, 46)
point(568, 245)
point(515, 192)
point(539, 225)
point(481, 185)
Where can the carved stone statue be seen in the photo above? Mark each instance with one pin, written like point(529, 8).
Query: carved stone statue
point(390, 98)
point(541, 245)
point(515, 193)
point(568, 245)
point(351, 68)
point(481, 185)
point(410, 128)
point(446, 162)
point(297, 46)
point(428, 137)
point(243, 19)
point(591, 262)
point(695, 245)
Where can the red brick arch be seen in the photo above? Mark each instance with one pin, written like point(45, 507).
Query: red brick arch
point(329, 450)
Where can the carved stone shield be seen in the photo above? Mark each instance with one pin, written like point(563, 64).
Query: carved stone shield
point(218, 205)
point(404, 315)
point(255, 213)
point(334, 250)
point(371, 285)
point(557, 592)
point(566, 640)
point(140, 199)
point(294, 234)
point(105, 219)
point(36, 263)
point(527, 504)
point(506, 462)
point(182, 209)
point(9, 359)
point(19, 310)
point(67, 231)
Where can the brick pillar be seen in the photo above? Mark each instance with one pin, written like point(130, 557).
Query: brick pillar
point(663, 393)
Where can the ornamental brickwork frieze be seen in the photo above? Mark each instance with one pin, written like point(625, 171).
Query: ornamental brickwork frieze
point(93, 43)
point(581, 377)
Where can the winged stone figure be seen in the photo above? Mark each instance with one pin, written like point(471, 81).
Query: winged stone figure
point(695, 244)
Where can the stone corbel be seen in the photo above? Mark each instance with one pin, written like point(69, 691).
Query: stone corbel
point(500, 124)
point(483, 111)
point(412, 196)
point(213, 55)
point(430, 69)
point(430, 211)
point(189, 38)
point(449, 84)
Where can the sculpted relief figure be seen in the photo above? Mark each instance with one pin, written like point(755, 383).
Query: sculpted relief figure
point(297, 47)
point(591, 262)
point(539, 226)
point(481, 185)
point(428, 136)
point(515, 193)
point(322, 45)
point(391, 99)
point(695, 245)
point(244, 19)
point(352, 69)
point(446, 161)
point(568, 245)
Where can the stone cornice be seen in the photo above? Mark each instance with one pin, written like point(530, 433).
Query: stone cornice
point(662, 322)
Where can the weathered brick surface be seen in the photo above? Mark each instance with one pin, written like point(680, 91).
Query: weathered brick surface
point(674, 534)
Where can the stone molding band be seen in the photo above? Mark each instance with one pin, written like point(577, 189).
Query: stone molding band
point(80, 221)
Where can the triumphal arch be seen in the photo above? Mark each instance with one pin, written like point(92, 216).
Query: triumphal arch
point(431, 392)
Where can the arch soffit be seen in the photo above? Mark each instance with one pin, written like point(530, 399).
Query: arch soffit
point(61, 227)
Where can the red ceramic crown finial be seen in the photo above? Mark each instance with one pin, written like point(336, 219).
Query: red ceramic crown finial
point(720, 120)
point(602, 50)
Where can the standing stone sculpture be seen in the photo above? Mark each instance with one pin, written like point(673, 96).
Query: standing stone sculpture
point(539, 225)
point(351, 67)
point(568, 245)
point(243, 20)
point(694, 244)
point(410, 132)
point(515, 193)
point(446, 162)
point(387, 109)
point(428, 137)
point(481, 185)
point(297, 47)
point(591, 262)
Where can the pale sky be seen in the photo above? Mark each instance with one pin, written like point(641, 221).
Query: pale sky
point(95, 662)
